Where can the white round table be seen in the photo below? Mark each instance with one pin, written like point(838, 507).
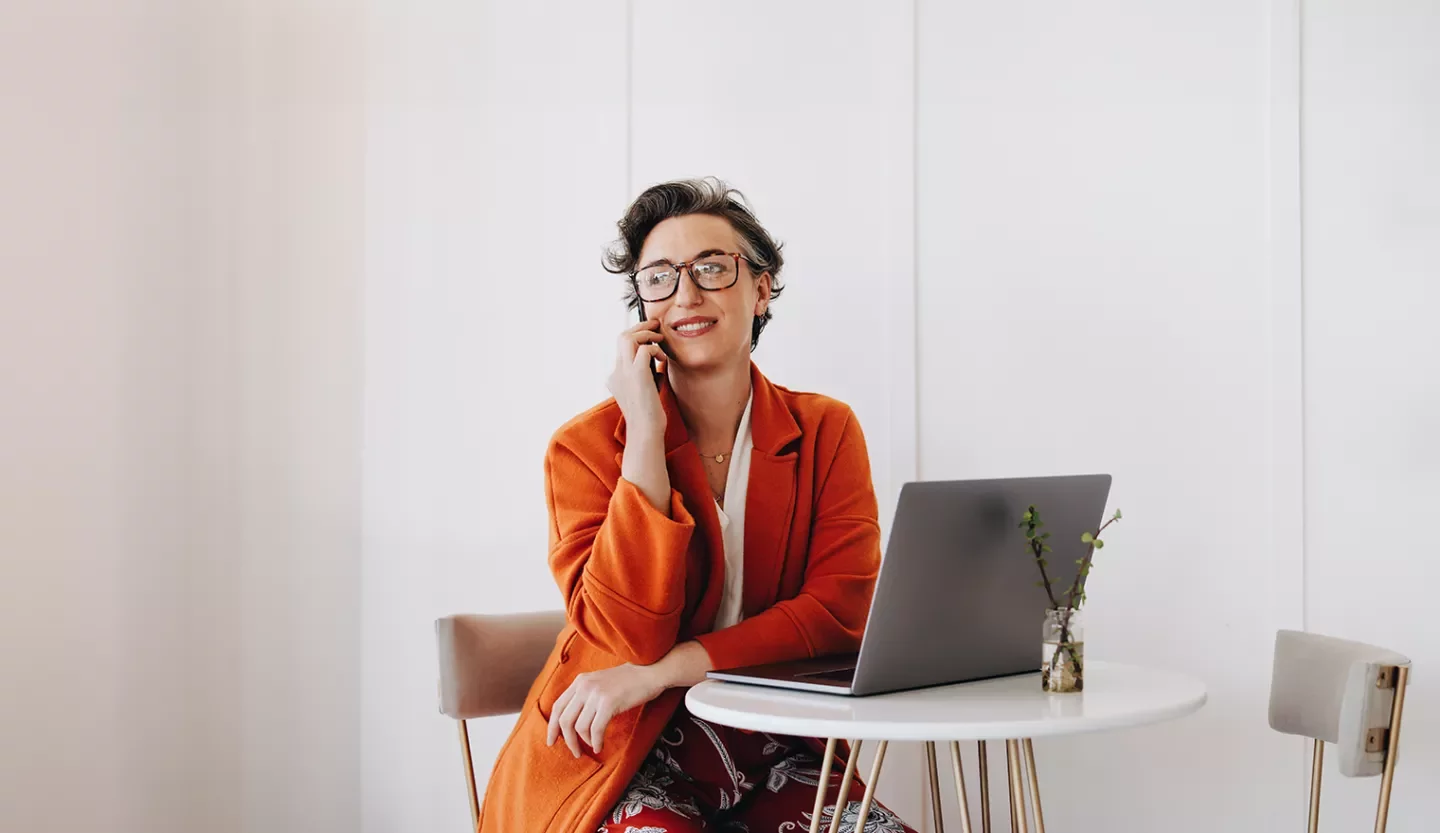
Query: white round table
point(1012, 709)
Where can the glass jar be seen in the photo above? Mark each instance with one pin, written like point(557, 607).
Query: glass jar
point(1062, 669)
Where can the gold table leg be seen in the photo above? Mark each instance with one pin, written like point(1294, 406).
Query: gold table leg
point(1010, 782)
point(1018, 816)
point(1020, 767)
point(843, 798)
point(935, 787)
point(984, 789)
point(960, 788)
point(824, 784)
point(869, 788)
point(1316, 767)
point(1034, 786)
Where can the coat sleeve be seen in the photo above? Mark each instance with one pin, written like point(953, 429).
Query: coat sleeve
point(619, 562)
point(828, 615)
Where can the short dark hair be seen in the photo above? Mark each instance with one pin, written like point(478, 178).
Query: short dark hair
point(695, 196)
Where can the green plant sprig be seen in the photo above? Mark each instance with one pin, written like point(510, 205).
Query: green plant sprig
point(1036, 540)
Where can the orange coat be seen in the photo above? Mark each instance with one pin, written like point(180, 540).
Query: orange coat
point(636, 583)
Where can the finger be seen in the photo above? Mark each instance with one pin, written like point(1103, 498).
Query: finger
point(563, 730)
point(648, 334)
point(601, 710)
point(567, 724)
point(597, 727)
point(630, 341)
point(553, 729)
point(648, 351)
point(647, 324)
point(582, 723)
point(637, 341)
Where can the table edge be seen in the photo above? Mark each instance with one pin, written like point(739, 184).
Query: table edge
point(822, 727)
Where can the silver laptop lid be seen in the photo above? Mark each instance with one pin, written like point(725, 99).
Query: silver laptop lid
point(957, 598)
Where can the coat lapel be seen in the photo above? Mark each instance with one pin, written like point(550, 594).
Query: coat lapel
point(770, 493)
point(769, 497)
point(687, 476)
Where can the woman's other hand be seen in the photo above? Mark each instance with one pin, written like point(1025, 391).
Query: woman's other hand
point(586, 708)
point(632, 383)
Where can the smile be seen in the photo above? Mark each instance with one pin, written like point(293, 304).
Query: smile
point(692, 328)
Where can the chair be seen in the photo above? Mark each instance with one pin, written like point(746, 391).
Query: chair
point(1346, 693)
point(487, 665)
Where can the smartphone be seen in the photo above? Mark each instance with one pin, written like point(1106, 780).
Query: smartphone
point(654, 371)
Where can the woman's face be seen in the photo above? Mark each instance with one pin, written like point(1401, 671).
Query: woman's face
point(704, 329)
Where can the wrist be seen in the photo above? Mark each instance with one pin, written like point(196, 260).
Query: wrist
point(685, 665)
point(644, 428)
point(662, 673)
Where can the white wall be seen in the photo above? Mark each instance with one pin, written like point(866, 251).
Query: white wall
point(495, 170)
point(1372, 361)
point(94, 464)
point(179, 416)
point(284, 319)
point(1092, 258)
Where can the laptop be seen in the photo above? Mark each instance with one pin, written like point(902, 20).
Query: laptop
point(957, 598)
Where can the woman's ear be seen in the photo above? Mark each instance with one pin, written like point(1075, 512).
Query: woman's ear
point(762, 302)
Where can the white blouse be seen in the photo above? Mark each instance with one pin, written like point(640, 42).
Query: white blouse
point(732, 523)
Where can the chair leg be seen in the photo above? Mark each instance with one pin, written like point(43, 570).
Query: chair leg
point(470, 775)
point(1382, 814)
point(1317, 762)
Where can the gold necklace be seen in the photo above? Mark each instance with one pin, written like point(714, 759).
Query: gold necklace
point(719, 458)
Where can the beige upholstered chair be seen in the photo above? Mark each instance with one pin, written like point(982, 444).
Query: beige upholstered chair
point(1341, 692)
point(487, 665)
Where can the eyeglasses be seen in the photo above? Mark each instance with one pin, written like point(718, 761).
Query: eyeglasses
point(711, 272)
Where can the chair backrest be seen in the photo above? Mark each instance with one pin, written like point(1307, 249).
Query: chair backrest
point(489, 662)
point(1337, 691)
point(487, 665)
point(1341, 692)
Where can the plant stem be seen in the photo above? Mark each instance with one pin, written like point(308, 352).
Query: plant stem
point(1084, 565)
point(1038, 547)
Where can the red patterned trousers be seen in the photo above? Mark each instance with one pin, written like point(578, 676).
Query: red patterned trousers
point(702, 776)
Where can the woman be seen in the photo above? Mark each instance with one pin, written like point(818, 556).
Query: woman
point(703, 518)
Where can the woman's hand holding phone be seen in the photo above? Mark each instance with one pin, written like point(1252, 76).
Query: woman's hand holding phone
point(632, 383)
